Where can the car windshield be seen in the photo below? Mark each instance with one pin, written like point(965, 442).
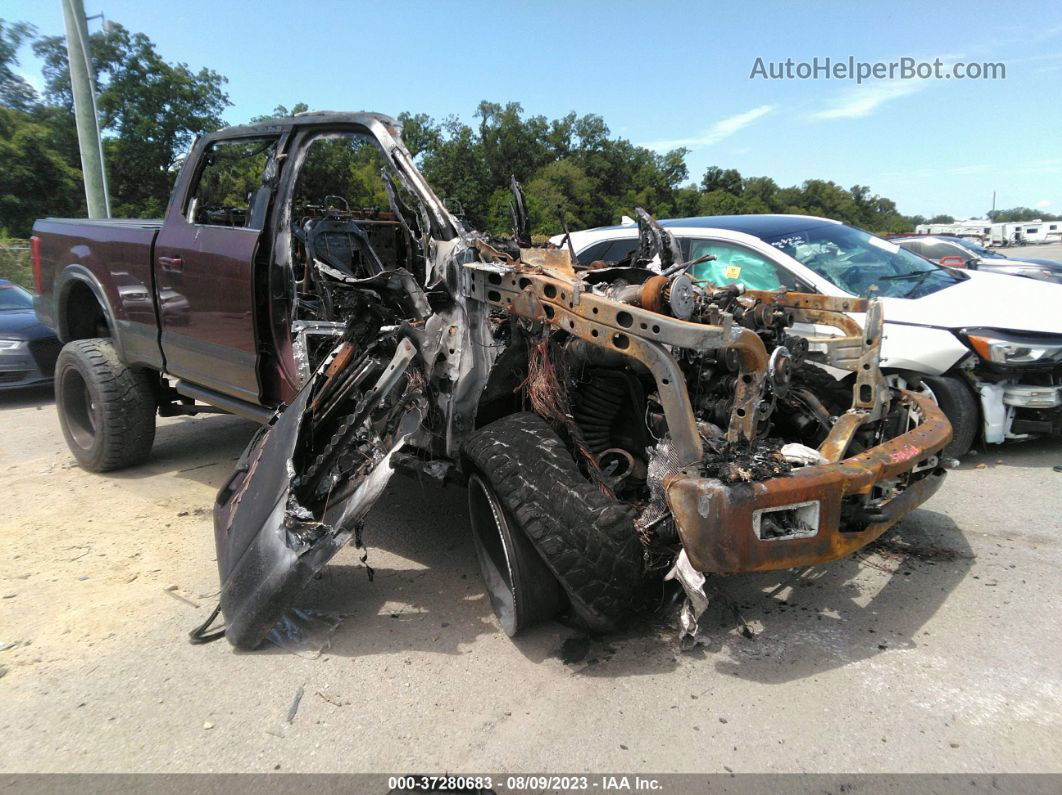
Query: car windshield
point(981, 251)
point(14, 298)
point(862, 264)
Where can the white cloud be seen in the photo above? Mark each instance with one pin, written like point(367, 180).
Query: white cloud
point(723, 128)
point(865, 99)
point(1043, 204)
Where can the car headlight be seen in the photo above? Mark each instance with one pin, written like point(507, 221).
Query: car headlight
point(11, 345)
point(1008, 348)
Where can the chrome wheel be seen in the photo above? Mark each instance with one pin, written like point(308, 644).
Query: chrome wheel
point(522, 589)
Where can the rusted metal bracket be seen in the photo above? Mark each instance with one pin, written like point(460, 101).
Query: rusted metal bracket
point(717, 522)
point(842, 352)
point(607, 324)
point(547, 291)
point(871, 393)
point(835, 446)
point(640, 334)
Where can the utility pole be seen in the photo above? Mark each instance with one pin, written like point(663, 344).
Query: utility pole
point(88, 125)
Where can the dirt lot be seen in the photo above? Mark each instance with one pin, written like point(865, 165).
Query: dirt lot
point(938, 652)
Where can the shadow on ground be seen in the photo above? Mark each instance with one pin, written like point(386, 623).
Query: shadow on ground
point(203, 449)
point(435, 602)
point(804, 621)
point(807, 621)
point(1031, 454)
point(27, 397)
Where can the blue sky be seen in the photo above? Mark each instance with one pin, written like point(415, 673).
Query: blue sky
point(662, 74)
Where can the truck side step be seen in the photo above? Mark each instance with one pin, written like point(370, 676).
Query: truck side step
point(240, 408)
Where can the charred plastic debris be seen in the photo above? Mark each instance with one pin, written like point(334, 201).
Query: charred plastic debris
point(613, 424)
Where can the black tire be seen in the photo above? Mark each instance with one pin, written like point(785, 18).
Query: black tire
point(586, 539)
point(959, 405)
point(521, 587)
point(106, 409)
point(835, 395)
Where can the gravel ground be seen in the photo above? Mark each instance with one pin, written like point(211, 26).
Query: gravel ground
point(939, 651)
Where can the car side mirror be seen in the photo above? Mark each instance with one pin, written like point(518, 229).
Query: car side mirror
point(952, 262)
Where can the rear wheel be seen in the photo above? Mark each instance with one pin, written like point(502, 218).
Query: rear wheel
point(106, 409)
point(527, 488)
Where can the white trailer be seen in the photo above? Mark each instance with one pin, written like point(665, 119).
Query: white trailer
point(1021, 233)
point(971, 228)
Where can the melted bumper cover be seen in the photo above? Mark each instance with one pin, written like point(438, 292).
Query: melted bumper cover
point(717, 522)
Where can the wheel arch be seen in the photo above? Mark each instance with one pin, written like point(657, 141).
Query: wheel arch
point(501, 394)
point(962, 380)
point(81, 303)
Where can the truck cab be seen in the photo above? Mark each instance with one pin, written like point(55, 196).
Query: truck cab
point(205, 302)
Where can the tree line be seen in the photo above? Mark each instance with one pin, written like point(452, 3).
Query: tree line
point(574, 171)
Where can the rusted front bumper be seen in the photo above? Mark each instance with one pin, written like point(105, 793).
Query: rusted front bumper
point(721, 526)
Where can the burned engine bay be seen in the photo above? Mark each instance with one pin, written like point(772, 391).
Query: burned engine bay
point(704, 427)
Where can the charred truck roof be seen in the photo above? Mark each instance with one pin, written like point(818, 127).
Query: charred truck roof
point(612, 424)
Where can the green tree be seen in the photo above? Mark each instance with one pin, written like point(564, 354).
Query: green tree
point(721, 202)
point(509, 143)
point(726, 179)
point(420, 133)
point(560, 190)
point(1018, 214)
point(35, 179)
point(570, 165)
point(281, 112)
point(15, 92)
point(456, 169)
point(151, 110)
point(764, 189)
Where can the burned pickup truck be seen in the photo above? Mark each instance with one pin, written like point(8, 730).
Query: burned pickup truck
point(611, 423)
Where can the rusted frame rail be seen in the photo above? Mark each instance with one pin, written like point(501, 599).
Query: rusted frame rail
point(561, 300)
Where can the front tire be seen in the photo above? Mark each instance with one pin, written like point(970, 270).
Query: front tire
point(522, 589)
point(955, 399)
point(586, 539)
point(959, 405)
point(106, 409)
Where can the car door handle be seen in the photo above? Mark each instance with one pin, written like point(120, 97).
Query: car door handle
point(171, 263)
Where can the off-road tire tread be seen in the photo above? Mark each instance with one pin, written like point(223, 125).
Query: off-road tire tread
point(586, 538)
point(835, 395)
point(128, 400)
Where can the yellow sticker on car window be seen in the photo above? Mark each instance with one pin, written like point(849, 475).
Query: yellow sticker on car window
point(732, 272)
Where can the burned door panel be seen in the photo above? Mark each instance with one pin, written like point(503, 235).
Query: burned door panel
point(305, 483)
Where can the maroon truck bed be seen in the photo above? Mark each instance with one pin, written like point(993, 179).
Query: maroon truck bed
point(112, 260)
